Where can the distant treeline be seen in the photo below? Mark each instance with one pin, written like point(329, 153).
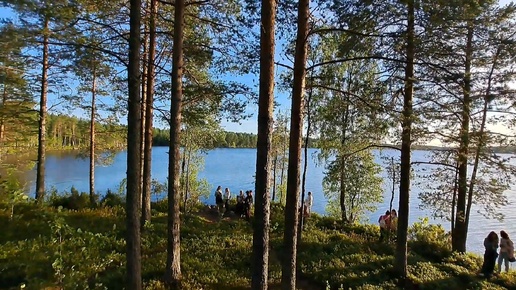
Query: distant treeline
point(229, 140)
point(65, 132)
point(70, 132)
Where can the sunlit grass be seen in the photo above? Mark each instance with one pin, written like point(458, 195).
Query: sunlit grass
point(85, 249)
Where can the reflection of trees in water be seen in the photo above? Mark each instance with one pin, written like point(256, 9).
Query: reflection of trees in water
point(17, 165)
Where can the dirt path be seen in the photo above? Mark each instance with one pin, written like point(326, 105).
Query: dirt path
point(211, 215)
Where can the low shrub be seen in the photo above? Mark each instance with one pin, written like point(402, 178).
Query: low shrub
point(160, 206)
point(112, 199)
point(73, 200)
point(430, 241)
point(466, 260)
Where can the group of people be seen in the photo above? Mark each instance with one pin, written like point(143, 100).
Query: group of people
point(491, 254)
point(388, 224)
point(243, 206)
point(244, 203)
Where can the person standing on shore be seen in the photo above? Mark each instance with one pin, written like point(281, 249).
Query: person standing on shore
point(309, 201)
point(218, 200)
point(393, 224)
point(385, 225)
point(506, 251)
point(227, 197)
point(490, 255)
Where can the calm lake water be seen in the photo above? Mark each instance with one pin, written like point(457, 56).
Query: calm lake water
point(235, 168)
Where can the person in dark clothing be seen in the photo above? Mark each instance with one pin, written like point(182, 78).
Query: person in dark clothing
point(219, 201)
point(240, 206)
point(248, 203)
point(490, 255)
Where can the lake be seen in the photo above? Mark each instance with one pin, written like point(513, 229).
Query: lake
point(235, 168)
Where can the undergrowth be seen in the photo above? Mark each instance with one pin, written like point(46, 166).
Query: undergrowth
point(83, 247)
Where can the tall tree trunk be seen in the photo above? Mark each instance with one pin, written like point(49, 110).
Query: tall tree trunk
point(149, 115)
point(454, 197)
point(393, 166)
point(173, 271)
point(274, 174)
point(288, 271)
point(2, 125)
point(283, 160)
point(143, 101)
point(40, 169)
point(187, 180)
point(134, 271)
point(459, 235)
point(260, 264)
point(183, 169)
point(305, 165)
point(481, 141)
point(282, 178)
point(92, 137)
point(400, 265)
point(342, 197)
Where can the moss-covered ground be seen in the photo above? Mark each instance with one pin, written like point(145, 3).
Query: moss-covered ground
point(43, 247)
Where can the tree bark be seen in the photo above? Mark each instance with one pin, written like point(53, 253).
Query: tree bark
point(187, 181)
point(288, 271)
point(400, 265)
point(260, 264)
point(305, 167)
point(2, 125)
point(393, 166)
point(92, 137)
point(134, 271)
point(40, 169)
point(183, 169)
point(342, 197)
point(173, 271)
point(274, 166)
point(143, 101)
point(149, 115)
point(460, 233)
point(454, 197)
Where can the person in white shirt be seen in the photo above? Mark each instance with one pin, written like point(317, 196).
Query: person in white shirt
point(506, 251)
point(227, 196)
point(309, 200)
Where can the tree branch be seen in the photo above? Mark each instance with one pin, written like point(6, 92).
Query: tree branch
point(373, 146)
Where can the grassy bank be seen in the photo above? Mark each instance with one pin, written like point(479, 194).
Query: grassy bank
point(44, 247)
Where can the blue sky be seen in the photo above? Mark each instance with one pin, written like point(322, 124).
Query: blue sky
point(282, 97)
point(248, 125)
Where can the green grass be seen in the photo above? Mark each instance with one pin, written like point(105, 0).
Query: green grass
point(43, 247)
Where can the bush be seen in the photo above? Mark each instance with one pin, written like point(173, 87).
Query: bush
point(430, 241)
point(160, 206)
point(469, 261)
point(112, 199)
point(73, 200)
